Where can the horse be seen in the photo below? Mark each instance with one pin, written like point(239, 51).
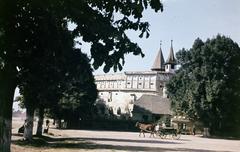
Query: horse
point(145, 128)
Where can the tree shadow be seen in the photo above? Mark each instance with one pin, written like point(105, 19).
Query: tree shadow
point(221, 137)
point(109, 139)
point(17, 134)
point(88, 144)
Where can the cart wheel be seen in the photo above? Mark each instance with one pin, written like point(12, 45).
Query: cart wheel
point(176, 136)
point(163, 136)
point(158, 133)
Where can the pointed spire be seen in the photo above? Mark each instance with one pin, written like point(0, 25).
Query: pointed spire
point(171, 59)
point(158, 64)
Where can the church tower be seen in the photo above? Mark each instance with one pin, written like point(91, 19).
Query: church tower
point(171, 62)
point(158, 64)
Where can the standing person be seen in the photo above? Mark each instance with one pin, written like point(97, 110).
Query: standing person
point(157, 127)
point(47, 126)
point(163, 124)
point(194, 131)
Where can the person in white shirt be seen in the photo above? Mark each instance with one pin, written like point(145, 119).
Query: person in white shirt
point(157, 127)
point(163, 124)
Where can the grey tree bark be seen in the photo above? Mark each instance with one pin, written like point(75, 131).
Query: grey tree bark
point(28, 127)
point(40, 121)
point(7, 88)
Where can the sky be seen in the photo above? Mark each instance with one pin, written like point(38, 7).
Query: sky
point(183, 21)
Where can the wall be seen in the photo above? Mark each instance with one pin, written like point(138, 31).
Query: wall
point(120, 91)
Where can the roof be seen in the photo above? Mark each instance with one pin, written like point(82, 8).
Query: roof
point(152, 104)
point(171, 59)
point(158, 64)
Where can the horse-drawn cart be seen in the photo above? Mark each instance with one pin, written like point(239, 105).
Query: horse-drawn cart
point(168, 131)
point(162, 132)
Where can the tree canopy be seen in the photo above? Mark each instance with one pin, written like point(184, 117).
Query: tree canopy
point(207, 85)
point(33, 33)
point(28, 23)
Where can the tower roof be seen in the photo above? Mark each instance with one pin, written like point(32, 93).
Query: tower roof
point(158, 64)
point(171, 59)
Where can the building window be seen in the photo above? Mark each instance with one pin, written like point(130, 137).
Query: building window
point(161, 86)
point(111, 111)
point(133, 98)
point(140, 83)
point(119, 111)
point(145, 118)
point(157, 118)
point(110, 96)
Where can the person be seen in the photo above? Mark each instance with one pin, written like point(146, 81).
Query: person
point(194, 131)
point(47, 122)
point(21, 129)
point(163, 124)
point(47, 127)
point(157, 128)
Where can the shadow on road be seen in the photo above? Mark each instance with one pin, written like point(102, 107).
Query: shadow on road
point(88, 144)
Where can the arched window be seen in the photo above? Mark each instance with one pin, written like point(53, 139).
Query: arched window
point(111, 111)
point(119, 111)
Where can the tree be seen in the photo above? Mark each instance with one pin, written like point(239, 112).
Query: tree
point(207, 86)
point(79, 92)
point(28, 29)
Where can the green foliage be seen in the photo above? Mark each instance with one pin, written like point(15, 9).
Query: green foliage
point(35, 43)
point(207, 86)
point(80, 91)
point(20, 99)
point(35, 40)
point(25, 22)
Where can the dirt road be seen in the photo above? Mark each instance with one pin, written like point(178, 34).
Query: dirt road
point(114, 141)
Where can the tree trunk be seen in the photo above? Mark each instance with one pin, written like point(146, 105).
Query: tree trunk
point(28, 126)
point(40, 121)
point(7, 88)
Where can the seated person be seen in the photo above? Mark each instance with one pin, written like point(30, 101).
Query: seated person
point(21, 129)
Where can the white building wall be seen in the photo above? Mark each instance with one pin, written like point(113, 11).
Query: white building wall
point(169, 69)
point(122, 90)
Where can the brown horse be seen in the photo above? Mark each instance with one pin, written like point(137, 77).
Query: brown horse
point(145, 128)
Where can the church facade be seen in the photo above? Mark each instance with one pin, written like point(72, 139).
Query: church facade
point(138, 95)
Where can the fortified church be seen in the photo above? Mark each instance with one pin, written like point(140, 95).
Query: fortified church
point(139, 95)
